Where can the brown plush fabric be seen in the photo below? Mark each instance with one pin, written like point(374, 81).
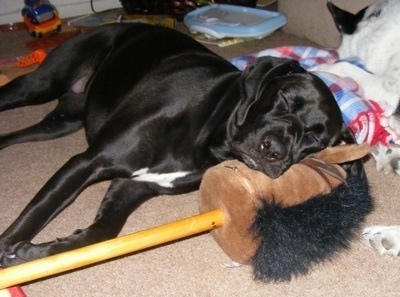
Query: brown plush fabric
point(236, 190)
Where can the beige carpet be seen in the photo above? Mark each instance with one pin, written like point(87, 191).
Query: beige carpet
point(191, 267)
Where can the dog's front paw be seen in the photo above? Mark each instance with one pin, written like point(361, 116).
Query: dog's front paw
point(387, 158)
point(384, 239)
point(20, 252)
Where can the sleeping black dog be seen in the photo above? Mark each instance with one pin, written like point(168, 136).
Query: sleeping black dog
point(158, 109)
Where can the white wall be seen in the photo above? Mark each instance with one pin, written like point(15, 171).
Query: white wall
point(10, 11)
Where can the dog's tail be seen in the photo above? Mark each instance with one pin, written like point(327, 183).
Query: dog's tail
point(294, 239)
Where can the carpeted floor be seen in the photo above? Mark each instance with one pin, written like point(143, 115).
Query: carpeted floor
point(190, 267)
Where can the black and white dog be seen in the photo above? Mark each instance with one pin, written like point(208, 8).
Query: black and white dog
point(158, 109)
point(373, 35)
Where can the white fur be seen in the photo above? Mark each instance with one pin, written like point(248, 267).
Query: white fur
point(162, 179)
point(376, 42)
point(384, 239)
point(387, 159)
point(371, 85)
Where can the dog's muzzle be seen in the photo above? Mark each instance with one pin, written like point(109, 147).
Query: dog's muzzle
point(271, 156)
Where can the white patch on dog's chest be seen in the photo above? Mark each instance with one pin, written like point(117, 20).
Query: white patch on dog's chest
point(162, 179)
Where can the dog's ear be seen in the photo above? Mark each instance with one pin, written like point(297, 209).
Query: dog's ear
point(256, 76)
point(345, 21)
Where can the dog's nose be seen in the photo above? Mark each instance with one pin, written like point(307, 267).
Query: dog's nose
point(272, 148)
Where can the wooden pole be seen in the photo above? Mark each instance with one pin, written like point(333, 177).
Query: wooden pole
point(109, 249)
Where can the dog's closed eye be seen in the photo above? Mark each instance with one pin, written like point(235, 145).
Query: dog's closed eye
point(288, 103)
point(314, 133)
point(284, 104)
point(313, 136)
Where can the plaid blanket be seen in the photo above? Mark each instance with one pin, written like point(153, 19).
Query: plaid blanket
point(365, 117)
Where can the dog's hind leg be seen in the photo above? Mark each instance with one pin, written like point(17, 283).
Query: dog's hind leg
point(122, 198)
point(56, 76)
point(65, 119)
point(38, 87)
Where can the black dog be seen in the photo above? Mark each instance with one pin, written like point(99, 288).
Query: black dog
point(158, 109)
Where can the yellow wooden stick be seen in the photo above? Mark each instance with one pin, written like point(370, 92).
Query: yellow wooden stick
point(110, 249)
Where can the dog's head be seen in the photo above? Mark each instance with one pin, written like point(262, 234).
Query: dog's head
point(284, 115)
point(363, 32)
point(345, 21)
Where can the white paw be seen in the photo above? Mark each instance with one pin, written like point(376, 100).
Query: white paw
point(384, 239)
point(387, 158)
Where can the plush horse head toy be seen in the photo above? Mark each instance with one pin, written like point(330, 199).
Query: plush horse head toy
point(282, 226)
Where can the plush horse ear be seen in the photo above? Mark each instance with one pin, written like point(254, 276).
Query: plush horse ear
point(256, 76)
point(345, 21)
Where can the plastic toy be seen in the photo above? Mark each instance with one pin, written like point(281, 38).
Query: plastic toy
point(233, 202)
point(41, 17)
point(36, 57)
